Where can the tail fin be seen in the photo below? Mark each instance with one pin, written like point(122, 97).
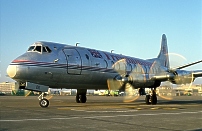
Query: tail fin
point(163, 56)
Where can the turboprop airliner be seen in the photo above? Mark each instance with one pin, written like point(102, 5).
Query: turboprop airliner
point(53, 65)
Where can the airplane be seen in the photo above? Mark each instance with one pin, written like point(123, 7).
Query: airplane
point(53, 65)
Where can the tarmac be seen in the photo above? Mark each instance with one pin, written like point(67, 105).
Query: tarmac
point(100, 113)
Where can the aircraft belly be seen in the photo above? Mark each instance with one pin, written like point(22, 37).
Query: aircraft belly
point(88, 80)
point(138, 84)
point(59, 78)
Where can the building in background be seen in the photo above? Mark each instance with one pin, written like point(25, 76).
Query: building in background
point(7, 88)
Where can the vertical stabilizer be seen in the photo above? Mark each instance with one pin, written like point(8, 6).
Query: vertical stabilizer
point(163, 56)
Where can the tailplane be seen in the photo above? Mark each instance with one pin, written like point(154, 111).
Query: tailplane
point(163, 57)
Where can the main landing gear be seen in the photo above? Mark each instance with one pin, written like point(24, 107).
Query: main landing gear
point(81, 96)
point(151, 99)
point(43, 102)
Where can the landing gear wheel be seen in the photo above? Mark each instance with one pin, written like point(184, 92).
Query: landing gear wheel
point(142, 91)
point(147, 99)
point(81, 98)
point(77, 98)
point(44, 103)
point(153, 99)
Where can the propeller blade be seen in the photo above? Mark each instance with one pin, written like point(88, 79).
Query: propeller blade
point(114, 84)
point(176, 60)
point(120, 66)
point(165, 91)
point(151, 72)
point(27, 92)
point(130, 93)
point(137, 74)
point(166, 98)
point(192, 79)
point(16, 89)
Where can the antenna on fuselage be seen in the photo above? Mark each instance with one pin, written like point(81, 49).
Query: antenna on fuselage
point(77, 43)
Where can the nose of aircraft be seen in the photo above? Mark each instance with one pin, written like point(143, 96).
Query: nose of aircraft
point(11, 71)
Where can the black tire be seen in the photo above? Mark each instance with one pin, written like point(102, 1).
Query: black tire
point(78, 98)
point(83, 99)
point(142, 92)
point(44, 103)
point(147, 98)
point(153, 100)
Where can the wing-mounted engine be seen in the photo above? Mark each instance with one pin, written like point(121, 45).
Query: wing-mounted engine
point(123, 81)
point(182, 77)
point(178, 76)
point(175, 77)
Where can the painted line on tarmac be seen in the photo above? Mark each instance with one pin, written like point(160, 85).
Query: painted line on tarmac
point(92, 117)
point(114, 111)
point(131, 109)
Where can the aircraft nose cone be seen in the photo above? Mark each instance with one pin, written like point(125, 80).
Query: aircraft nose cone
point(11, 71)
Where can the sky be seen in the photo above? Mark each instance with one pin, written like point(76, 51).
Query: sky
point(129, 27)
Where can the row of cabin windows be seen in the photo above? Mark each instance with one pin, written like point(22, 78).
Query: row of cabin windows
point(129, 67)
point(135, 68)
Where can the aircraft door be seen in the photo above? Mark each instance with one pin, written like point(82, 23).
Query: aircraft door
point(73, 61)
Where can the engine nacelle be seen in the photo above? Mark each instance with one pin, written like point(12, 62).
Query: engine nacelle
point(182, 77)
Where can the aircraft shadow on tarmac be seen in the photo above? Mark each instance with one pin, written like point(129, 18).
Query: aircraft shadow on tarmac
point(180, 102)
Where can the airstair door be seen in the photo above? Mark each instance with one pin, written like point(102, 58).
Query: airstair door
point(73, 61)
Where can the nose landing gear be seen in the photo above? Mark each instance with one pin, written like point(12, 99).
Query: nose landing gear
point(43, 102)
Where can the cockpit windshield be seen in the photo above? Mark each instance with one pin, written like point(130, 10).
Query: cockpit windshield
point(39, 48)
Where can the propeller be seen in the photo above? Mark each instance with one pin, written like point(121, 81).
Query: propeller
point(180, 76)
point(180, 60)
point(124, 80)
point(176, 60)
point(27, 93)
point(130, 93)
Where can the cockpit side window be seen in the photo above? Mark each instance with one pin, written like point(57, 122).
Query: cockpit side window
point(31, 48)
point(46, 49)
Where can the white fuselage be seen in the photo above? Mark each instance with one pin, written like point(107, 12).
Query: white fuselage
point(64, 66)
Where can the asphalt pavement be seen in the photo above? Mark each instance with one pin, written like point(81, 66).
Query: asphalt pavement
point(100, 113)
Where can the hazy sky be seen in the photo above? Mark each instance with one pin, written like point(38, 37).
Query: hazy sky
point(130, 27)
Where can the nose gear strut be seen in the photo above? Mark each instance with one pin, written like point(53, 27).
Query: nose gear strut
point(43, 102)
